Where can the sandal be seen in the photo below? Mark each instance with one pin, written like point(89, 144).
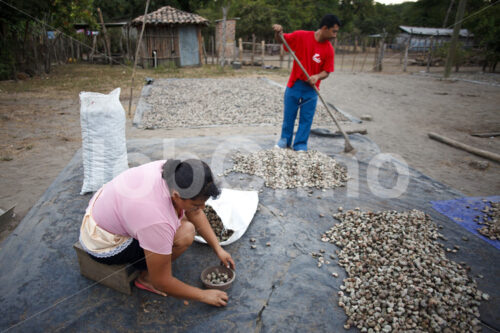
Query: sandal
point(143, 287)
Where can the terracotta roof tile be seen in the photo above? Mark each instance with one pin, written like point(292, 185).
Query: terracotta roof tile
point(170, 15)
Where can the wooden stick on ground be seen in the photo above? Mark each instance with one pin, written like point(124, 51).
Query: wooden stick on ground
point(486, 135)
point(136, 56)
point(470, 149)
point(348, 147)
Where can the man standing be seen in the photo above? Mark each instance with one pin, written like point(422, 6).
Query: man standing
point(315, 52)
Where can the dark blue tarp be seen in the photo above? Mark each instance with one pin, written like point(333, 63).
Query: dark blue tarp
point(463, 211)
point(278, 288)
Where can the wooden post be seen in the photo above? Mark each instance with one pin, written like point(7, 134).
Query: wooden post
point(429, 54)
point(94, 44)
point(253, 49)
point(364, 60)
point(212, 46)
point(263, 46)
point(72, 48)
point(375, 61)
point(282, 52)
point(382, 51)
point(54, 49)
point(217, 52)
point(121, 44)
point(223, 41)
point(128, 42)
point(454, 39)
point(204, 50)
point(240, 48)
point(342, 57)
point(35, 52)
point(78, 51)
point(405, 63)
point(107, 43)
point(135, 60)
point(201, 45)
point(235, 47)
point(353, 62)
point(46, 51)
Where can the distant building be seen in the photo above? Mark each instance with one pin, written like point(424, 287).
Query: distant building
point(170, 36)
point(420, 38)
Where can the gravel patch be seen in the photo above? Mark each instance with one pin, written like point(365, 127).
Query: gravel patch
point(399, 278)
point(490, 221)
point(286, 168)
point(217, 225)
point(215, 102)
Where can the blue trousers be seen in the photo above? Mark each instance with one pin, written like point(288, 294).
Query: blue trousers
point(302, 96)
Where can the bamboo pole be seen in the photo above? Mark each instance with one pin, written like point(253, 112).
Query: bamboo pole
point(135, 60)
point(107, 43)
point(463, 146)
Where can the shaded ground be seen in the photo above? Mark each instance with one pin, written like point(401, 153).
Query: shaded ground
point(40, 131)
point(41, 288)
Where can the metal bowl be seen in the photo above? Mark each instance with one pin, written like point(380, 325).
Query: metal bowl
point(217, 269)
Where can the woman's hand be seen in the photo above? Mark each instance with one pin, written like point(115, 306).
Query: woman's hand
point(225, 258)
point(214, 297)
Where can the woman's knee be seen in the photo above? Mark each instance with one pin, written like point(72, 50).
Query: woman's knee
point(185, 234)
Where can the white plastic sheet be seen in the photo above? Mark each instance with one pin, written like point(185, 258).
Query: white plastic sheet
point(236, 209)
point(104, 146)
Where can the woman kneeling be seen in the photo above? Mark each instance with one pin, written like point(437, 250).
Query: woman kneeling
point(147, 216)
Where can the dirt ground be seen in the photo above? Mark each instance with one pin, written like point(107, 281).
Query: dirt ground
point(40, 124)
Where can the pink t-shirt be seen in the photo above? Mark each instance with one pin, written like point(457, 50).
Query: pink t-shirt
point(137, 204)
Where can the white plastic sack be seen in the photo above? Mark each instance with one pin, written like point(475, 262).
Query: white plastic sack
point(104, 148)
point(236, 210)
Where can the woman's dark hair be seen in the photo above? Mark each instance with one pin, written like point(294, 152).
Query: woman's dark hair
point(329, 20)
point(192, 178)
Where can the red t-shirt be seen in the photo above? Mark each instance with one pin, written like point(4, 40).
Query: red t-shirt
point(315, 57)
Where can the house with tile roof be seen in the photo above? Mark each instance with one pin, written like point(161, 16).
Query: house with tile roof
point(171, 36)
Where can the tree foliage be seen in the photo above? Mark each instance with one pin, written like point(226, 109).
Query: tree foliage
point(359, 17)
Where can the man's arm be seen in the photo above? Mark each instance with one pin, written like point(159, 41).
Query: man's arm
point(200, 221)
point(320, 76)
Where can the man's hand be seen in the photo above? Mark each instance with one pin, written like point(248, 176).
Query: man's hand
point(316, 77)
point(214, 297)
point(225, 258)
point(277, 28)
point(313, 79)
